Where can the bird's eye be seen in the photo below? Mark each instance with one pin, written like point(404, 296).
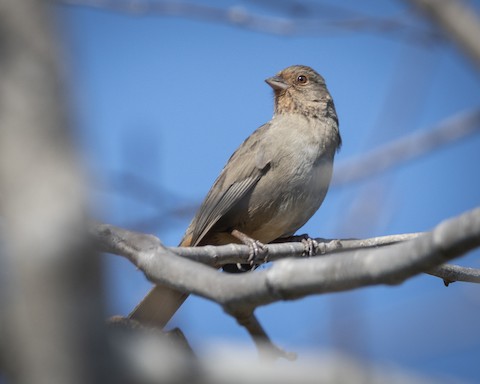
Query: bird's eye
point(302, 79)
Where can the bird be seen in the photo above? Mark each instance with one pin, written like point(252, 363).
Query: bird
point(271, 185)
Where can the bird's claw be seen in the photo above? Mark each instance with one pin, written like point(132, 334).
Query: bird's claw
point(310, 246)
point(258, 252)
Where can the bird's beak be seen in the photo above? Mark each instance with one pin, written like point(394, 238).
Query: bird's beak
point(277, 83)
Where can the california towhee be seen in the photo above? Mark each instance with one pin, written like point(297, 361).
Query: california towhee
point(273, 183)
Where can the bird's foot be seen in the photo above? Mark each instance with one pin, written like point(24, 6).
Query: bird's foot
point(258, 253)
point(310, 245)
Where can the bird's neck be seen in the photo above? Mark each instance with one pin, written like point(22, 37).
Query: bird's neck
point(309, 108)
point(318, 109)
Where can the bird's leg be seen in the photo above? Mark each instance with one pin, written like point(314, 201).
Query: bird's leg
point(258, 250)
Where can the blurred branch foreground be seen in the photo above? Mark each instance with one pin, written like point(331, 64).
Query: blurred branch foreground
point(51, 310)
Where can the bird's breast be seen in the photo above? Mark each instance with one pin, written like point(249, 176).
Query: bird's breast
point(293, 189)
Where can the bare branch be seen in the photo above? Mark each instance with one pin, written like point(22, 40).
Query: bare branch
point(292, 25)
point(408, 148)
point(295, 278)
point(289, 279)
point(451, 273)
point(458, 20)
point(120, 241)
point(267, 350)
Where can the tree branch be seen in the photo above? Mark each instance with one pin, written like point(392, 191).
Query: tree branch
point(290, 25)
point(290, 279)
point(451, 273)
point(458, 20)
point(111, 239)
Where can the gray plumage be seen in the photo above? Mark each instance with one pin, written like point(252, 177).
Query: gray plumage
point(273, 183)
point(277, 179)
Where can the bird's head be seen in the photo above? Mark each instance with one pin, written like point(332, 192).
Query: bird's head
point(299, 89)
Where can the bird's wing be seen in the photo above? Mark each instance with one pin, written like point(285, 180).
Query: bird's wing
point(241, 173)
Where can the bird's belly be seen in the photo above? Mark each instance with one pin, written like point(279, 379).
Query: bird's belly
point(283, 210)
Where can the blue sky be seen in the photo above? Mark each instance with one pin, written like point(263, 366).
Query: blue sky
point(161, 102)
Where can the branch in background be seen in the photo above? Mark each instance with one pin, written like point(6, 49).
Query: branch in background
point(407, 148)
point(292, 25)
point(458, 20)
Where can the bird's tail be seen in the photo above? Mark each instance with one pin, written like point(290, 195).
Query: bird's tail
point(160, 304)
